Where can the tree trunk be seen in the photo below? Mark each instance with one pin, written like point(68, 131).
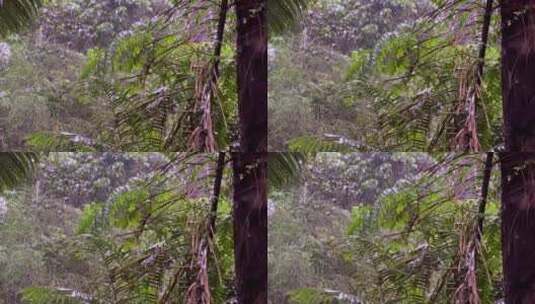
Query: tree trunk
point(518, 169)
point(250, 226)
point(518, 78)
point(250, 159)
point(518, 227)
point(252, 74)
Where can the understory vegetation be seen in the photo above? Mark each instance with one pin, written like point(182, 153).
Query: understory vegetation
point(122, 75)
point(387, 228)
point(118, 228)
point(387, 75)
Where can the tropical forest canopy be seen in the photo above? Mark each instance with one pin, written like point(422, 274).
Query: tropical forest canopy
point(387, 228)
point(387, 75)
point(117, 228)
point(128, 75)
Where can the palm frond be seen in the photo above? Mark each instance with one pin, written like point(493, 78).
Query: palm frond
point(43, 295)
point(16, 14)
point(311, 145)
point(283, 14)
point(284, 168)
point(417, 242)
point(15, 167)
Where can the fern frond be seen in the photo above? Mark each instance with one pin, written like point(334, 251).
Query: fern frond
point(17, 14)
point(284, 14)
point(41, 295)
point(15, 168)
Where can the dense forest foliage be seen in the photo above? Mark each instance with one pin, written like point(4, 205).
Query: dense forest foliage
point(439, 80)
point(118, 75)
point(387, 228)
point(148, 75)
point(387, 75)
point(118, 228)
point(433, 76)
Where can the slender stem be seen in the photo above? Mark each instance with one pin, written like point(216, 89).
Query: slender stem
point(199, 290)
point(215, 197)
point(484, 41)
point(484, 194)
point(204, 136)
point(219, 38)
point(482, 207)
point(474, 100)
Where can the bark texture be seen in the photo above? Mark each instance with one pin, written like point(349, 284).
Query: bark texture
point(518, 74)
point(518, 226)
point(252, 74)
point(250, 159)
point(250, 226)
point(517, 164)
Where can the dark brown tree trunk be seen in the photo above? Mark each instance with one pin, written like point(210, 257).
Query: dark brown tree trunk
point(252, 74)
point(518, 169)
point(518, 74)
point(518, 226)
point(250, 226)
point(249, 161)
